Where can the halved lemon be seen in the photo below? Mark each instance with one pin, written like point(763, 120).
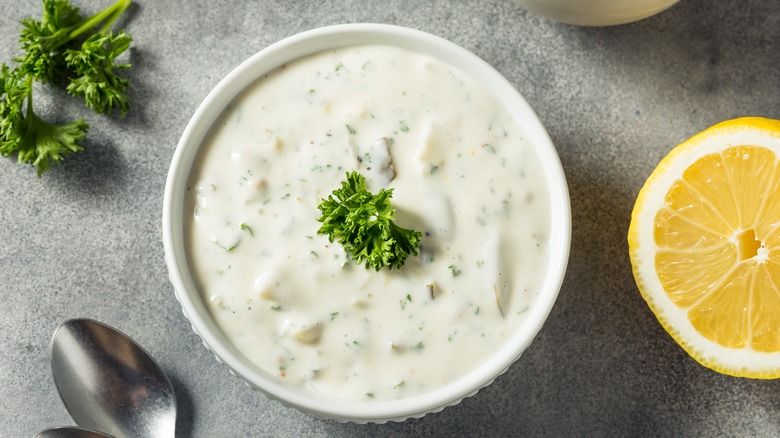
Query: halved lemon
point(704, 243)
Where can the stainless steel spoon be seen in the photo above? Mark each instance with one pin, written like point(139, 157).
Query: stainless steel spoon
point(70, 432)
point(109, 383)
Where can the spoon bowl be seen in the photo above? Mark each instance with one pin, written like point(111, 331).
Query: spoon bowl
point(70, 432)
point(109, 383)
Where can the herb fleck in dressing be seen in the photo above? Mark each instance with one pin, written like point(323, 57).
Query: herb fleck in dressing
point(462, 173)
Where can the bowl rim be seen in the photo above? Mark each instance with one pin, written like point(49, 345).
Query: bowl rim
point(317, 40)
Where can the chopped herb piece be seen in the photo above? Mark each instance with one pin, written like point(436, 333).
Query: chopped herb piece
point(333, 315)
point(498, 299)
point(350, 129)
point(276, 308)
point(432, 289)
point(455, 271)
point(403, 126)
point(227, 248)
point(489, 148)
point(248, 228)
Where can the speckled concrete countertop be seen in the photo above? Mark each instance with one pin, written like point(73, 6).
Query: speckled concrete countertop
point(85, 239)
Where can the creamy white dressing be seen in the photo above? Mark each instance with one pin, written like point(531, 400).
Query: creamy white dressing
point(462, 173)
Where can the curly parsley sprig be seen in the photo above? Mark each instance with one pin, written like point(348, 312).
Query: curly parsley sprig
point(364, 224)
point(62, 49)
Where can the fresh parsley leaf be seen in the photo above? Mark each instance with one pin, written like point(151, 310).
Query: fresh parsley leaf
point(94, 65)
point(41, 40)
point(364, 224)
point(34, 140)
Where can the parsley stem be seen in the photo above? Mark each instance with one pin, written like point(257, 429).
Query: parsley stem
point(29, 96)
point(112, 13)
point(117, 13)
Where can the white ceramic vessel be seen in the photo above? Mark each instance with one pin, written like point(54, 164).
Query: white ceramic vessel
point(596, 12)
point(312, 42)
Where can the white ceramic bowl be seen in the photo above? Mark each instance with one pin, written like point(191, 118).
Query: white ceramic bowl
point(315, 41)
point(597, 12)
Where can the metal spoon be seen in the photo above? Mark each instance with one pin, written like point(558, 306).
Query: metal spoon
point(70, 432)
point(109, 383)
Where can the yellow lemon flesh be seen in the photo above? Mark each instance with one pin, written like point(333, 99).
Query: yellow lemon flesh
point(704, 243)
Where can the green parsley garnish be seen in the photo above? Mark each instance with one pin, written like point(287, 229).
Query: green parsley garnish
point(364, 224)
point(66, 50)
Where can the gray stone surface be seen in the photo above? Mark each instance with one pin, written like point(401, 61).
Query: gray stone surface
point(85, 239)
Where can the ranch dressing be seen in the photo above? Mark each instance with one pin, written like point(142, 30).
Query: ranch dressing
point(462, 173)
